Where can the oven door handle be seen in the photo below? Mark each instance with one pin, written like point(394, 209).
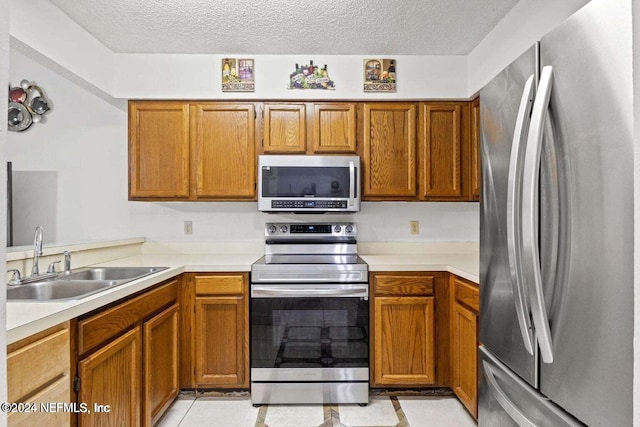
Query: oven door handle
point(306, 291)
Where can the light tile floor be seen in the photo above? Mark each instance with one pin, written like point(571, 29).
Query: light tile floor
point(382, 411)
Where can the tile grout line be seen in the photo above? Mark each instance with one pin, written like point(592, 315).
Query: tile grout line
point(186, 412)
point(262, 416)
point(402, 418)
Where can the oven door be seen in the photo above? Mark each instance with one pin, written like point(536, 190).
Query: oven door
point(309, 332)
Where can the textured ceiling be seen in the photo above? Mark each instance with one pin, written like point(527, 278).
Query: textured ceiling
point(359, 27)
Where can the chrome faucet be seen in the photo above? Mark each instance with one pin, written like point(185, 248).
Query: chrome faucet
point(37, 251)
point(67, 262)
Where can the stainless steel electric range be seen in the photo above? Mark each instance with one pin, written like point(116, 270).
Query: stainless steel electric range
point(310, 316)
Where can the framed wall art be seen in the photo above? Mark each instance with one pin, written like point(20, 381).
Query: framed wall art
point(379, 75)
point(238, 75)
point(309, 76)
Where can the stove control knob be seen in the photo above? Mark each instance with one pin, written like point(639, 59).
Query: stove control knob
point(283, 228)
point(337, 228)
point(349, 228)
point(272, 229)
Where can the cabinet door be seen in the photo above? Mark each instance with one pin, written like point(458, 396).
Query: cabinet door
point(465, 348)
point(389, 160)
point(223, 143)
point(158, 150)
point(38, 373)
point(221, 342)
point(404, 341)
point(160, 382)
point(475, 173)
point(441, 150)
point(334, 128)
point(111, 376)
point(284, 128)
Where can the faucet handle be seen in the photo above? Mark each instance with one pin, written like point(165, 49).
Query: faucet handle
point(16, 279)
point(52, 267)
point(67, 262)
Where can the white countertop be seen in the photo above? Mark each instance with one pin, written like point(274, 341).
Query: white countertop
point(27, 318)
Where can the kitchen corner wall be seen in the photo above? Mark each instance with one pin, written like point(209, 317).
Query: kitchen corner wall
point(79, 156)
point(4, 75)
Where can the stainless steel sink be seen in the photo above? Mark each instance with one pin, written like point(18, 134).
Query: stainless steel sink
point(112, 273)
point(79, 284)
point(58, 289)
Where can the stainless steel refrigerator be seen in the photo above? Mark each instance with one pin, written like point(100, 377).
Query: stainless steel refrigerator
point(556, 234)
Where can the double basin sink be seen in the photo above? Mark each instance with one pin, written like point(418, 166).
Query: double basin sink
point(78, 284)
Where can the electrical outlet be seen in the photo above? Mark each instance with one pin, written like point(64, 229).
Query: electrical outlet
point(414, 227)
point(188, 227)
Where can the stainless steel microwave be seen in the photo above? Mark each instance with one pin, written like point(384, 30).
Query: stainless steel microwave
point(308, 183)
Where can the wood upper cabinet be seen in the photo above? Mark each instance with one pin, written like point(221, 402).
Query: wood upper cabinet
point(443, 140)
point(334, 128)
point(223, 150)
point(389, 152)
point(221, 331)
point(476, 171)
point(198, 151)
point(464, 342)
point(404, 329)
point(284, 128)
point(158, 150)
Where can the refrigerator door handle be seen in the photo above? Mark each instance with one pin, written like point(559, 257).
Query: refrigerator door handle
point(514, 223)
point(531, 252)
point(502, 398)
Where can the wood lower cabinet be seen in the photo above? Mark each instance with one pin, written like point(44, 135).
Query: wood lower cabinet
point(160, 380)
point(404, 329)
point(217, 347)
point(389, 152)
point(38, 372)
point(464, 342)
point(112, 376)
point(128, 358)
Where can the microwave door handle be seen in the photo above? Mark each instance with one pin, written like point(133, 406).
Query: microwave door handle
point(352, 183)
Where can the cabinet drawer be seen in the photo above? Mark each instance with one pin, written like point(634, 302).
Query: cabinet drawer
point(37, 364)
point(466, 293)
point(111, 322)
point(403, 284)
point(59, 391)
point(224, 284)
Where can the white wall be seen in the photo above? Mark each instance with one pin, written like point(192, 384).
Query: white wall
point(4, 76)
point(520, 28)
point(636, 115)
point(199, 77)
point(241, 221)
point(82, 150)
